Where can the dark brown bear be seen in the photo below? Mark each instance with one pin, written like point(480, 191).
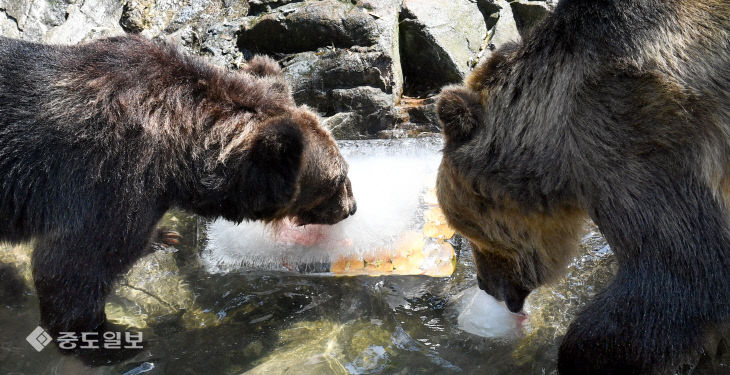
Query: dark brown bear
point(97, 141)
point(618, 110)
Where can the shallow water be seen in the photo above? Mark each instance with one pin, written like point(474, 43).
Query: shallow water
point(248, 321)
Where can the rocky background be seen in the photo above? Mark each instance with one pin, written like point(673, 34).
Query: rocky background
point(371, 68)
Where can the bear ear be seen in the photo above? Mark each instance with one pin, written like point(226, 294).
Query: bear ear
point(263, 66)
point(275, 159)
point(459, 111)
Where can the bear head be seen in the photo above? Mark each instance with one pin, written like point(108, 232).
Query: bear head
point(491, 191)
point(286, 167)
point(264, 157)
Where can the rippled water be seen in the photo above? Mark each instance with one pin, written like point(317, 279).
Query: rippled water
point(268, 322)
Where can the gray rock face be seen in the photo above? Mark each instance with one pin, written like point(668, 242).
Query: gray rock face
point(439, 38)
point(504, 29)
point(308, 26)
point(314, 74)
point(66, 22)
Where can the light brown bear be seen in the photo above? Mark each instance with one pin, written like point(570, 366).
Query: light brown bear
point(618, 110)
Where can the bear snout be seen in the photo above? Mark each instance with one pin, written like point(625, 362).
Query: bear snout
point(338, 207)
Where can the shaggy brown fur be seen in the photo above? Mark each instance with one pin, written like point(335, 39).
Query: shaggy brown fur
point(97, 141)
point(618, 110)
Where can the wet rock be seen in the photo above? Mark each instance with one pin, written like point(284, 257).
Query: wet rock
point(328, 348)
point(438, 39)
point(528, 13)
point(18, 257)
point(307, 26)
point(153, 290)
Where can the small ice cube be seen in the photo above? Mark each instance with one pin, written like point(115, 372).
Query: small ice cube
point(482, 315)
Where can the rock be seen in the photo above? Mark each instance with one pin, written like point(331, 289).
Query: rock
point(374, 106)
point(438, 39)
point(155, 17)
point(8, 26)
point(357, 72)
point(262, 6)
point(202, 27)
point(138, 15)
point(35, 18)
point(219, 44)
point(307, 26)
point(318, 72)
point(154, 290)
point(342, 125)
point(504, 31)
point(328, 348)
point(19, 258)
point(94, 19)
point(386, 14)
point(419, 115)
point(490, 11)
point(64, 22)
point(339, 80)
point(528, 13)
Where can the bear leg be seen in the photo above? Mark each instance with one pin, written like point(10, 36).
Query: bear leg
point(74, 273)
point(625, 332)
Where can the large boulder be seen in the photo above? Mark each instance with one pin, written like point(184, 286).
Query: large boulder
point(439, 38)
point(359, 81)
point(307, 26)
